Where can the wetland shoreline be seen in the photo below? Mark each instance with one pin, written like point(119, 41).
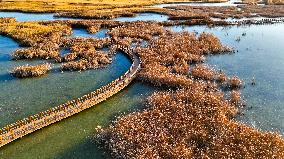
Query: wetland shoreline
point(124, 35)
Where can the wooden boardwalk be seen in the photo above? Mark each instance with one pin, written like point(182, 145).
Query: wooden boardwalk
point(38, 121)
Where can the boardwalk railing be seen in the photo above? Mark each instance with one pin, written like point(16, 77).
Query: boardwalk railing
point(35, 122)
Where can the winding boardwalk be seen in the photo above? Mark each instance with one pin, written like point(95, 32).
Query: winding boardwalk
point(38, 121)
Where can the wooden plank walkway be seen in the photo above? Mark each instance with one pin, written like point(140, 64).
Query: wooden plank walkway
point(40, 120)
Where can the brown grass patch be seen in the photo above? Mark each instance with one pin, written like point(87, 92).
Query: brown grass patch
point(191, 123)
point(31, 71)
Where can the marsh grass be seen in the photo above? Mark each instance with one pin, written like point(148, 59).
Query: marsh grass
point(30, 70)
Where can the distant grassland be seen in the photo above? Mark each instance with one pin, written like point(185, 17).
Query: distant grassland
point(77, 5)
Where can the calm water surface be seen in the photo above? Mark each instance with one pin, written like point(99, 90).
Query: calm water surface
point(143, 17)
point(260, 55)
point(31, 16)
point(72, 137)
point(78, 32)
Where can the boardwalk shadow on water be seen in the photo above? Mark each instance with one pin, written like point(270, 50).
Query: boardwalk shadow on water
point(88, 149)
point(6, 77)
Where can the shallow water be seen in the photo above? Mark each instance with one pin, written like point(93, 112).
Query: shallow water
point(79, 32)
point(72, 137)
point(143, 17)
point(20, 98)
point(23, 97)
point(260, 55)
point(32, 16)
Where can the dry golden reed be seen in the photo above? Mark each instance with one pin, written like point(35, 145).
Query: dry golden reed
point(30, 71)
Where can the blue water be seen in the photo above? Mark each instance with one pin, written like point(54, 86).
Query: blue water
point(49, 16)
point(52, 89)
point(79, 32)
point(260, 55)
point(32, 16)
point(143, 17)
point(71, 138)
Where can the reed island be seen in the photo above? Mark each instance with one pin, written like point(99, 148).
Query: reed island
point(193, 111)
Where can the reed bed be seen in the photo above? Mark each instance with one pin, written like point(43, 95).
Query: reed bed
point(84, 54)
point(105, 15)
point(188, 123)
point(235, 82)
point(46, 38)
point(138, 30)
point(88, 60)
point(75, 65)
point(202, 71)
point(195, 121)
point(35, 52)
point(7, 20)
point(33, 33)
point(166, 59)
point(47, 6)
point(184, 12)
point(31, 71)
point(235, 97)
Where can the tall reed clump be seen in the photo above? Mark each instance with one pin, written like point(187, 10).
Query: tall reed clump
point(167, 56)
point(235, 82)
point(84, 54)
point(188, 123)
point(30, 71)
point(167, 59)
point(195, 120)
